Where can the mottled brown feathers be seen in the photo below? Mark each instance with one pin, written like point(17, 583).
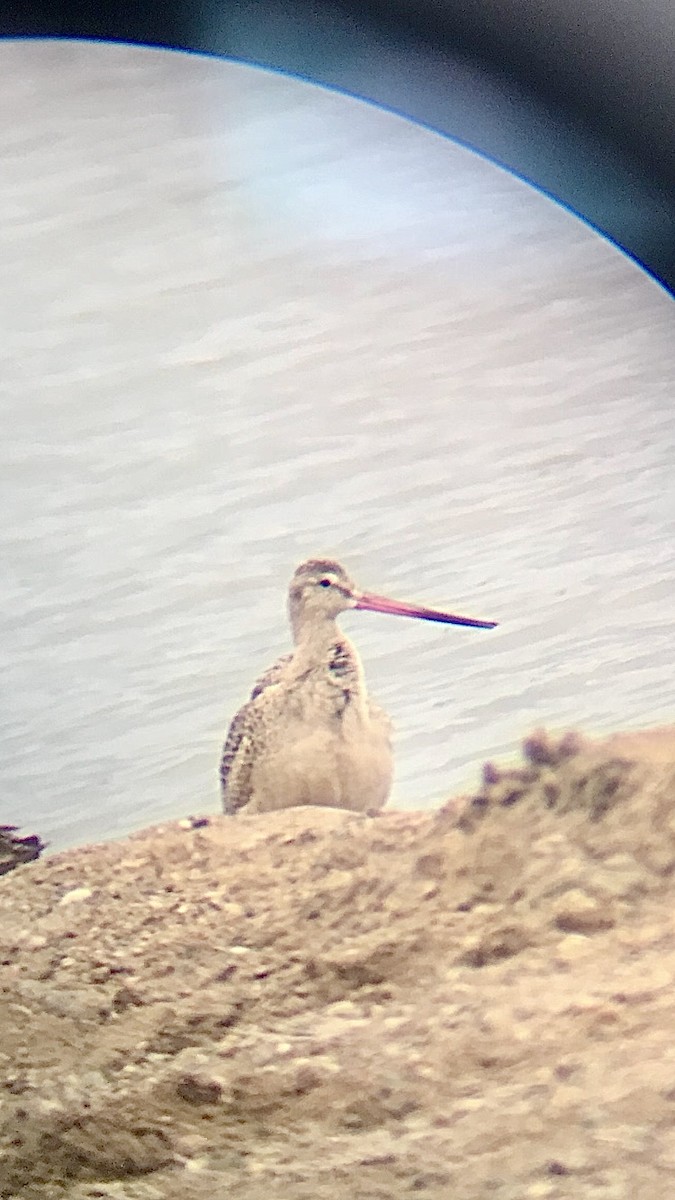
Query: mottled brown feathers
point(271, 675)
point(239, 749)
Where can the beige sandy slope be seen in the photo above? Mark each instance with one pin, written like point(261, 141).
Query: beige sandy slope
point(472, 1003)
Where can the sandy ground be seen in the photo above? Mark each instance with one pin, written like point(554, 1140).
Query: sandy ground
point(475, 1003)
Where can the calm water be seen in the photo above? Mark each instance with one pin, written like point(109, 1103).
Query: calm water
point(245, 321)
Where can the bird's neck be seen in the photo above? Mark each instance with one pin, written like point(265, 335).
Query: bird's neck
point(314, 634)
point(322, 646)
point(329, 672)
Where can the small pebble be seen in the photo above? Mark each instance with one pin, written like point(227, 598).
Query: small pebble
point(75, 895)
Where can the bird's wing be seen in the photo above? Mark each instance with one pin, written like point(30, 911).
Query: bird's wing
point(239, 750)
point(271, 675)
point(237, 759)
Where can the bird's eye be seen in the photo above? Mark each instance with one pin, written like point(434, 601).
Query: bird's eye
point(325, 582)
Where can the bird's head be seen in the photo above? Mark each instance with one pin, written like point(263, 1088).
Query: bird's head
point(321, 589)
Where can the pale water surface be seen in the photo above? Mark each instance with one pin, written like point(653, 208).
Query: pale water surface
point(245, 321)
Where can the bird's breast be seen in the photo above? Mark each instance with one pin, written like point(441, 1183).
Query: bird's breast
point(318, 703)
point(344, 761)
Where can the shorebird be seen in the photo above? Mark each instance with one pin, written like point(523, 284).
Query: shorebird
point(309, 733)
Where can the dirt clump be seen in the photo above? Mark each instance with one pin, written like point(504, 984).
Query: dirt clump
point(472, 1002)
point(16, 848)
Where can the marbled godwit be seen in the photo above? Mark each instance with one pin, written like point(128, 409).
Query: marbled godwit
point(310, 734)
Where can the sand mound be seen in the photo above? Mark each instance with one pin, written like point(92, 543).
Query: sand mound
point(475, 1002)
